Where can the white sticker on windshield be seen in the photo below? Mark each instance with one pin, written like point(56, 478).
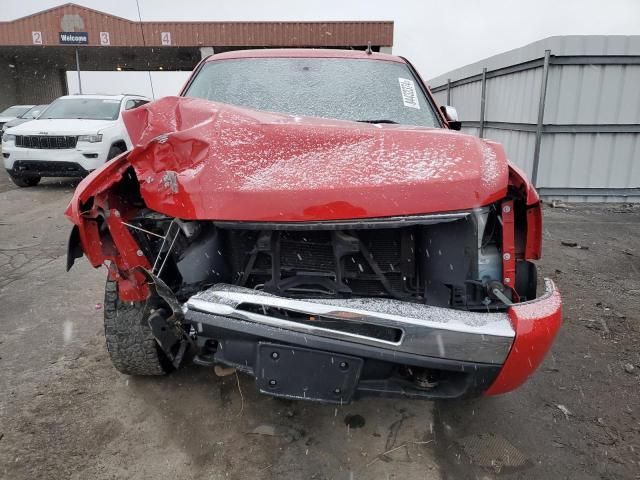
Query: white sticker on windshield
point(409, 94)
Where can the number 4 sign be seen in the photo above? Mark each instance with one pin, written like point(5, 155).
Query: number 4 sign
point(165, 38)
point(104, 38)
point(37, 38)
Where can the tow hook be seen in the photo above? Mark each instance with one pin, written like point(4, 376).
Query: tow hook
point(497, 289)
point(494, 290)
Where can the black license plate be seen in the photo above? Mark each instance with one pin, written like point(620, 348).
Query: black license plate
point(300, 373)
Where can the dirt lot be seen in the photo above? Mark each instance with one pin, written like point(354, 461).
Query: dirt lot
point(66, 413)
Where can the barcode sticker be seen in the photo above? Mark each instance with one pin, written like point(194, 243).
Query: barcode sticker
point(409, 94)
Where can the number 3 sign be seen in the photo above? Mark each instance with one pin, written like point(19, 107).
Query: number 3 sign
point(104, 38)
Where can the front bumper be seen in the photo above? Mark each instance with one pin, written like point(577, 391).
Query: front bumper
point(30, 168)
point(71, 162)
point(471, 352)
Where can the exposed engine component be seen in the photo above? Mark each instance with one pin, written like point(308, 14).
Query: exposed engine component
point(439, 261)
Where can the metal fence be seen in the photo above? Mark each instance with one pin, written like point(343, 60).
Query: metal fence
point(572, 122)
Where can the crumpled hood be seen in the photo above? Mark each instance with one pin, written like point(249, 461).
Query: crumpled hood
point(197, 159)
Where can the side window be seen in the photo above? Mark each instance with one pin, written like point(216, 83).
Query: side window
point(134, 103)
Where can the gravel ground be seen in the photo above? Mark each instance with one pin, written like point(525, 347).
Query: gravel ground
point(66, 413)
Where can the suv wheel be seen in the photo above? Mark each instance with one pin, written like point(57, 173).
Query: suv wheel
point(22, 182)
point(130, 343)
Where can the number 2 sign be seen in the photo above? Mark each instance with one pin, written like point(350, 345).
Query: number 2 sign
point(36, 37)
point(165, 38)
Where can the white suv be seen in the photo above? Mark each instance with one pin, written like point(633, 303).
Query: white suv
point(73, 136)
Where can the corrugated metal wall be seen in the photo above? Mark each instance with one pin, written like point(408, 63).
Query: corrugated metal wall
point(501, 92)
point(593, 94)
point(590, 140)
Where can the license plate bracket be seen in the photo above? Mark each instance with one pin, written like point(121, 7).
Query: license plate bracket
point(304, 374)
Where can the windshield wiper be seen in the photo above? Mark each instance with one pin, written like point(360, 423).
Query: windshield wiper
point(377, 121)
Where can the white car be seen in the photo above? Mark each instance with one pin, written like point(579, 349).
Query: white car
point(73, 136)
point(31, 114)
point(13, 112)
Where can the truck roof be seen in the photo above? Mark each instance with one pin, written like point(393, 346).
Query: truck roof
point(304, 53)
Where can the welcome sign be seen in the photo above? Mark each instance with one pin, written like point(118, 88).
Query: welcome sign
point(73, 38)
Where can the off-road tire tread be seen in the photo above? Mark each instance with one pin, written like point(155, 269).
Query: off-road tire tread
point(130, 343)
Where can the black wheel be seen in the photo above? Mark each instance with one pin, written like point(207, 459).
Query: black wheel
point(22, 182)
point(131, 345)
point(114, 151)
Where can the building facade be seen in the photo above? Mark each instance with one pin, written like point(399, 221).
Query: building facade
point(36, 51)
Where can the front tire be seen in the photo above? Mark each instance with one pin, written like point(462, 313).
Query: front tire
point(130, 343)
point(23, 182)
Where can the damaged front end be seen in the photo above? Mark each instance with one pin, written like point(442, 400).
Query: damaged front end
point(319, 307)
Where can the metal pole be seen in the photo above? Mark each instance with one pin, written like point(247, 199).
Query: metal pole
point(78, 70)
point(448, 91)
point(483, 101)
point(144, 42)
point(540, 125)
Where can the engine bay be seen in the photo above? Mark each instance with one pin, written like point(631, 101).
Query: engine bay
point(450, 260)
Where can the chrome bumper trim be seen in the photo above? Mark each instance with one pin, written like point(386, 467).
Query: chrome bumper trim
point(426, 330)
point(362, 224)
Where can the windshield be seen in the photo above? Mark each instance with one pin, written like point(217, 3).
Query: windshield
point(346, 89)
point(33, 112)
point(14, 111)
point(83, 108)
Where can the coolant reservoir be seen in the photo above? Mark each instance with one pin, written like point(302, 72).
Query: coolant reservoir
point(489, 263)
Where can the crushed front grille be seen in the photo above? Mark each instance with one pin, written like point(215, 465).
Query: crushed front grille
point(372, 263)
point(434, 263)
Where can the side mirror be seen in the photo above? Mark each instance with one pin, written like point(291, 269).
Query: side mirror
point(451, 114)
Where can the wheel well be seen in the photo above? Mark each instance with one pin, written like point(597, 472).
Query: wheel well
point(120, 144)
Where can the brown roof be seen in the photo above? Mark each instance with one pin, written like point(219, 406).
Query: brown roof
point(123, 32)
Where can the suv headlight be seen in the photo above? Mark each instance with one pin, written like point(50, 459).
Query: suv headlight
point(7, 137)
point(90, 138)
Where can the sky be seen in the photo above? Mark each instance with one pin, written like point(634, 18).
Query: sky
point(437, 36)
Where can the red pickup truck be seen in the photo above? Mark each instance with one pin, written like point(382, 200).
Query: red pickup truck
point(312, 218)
